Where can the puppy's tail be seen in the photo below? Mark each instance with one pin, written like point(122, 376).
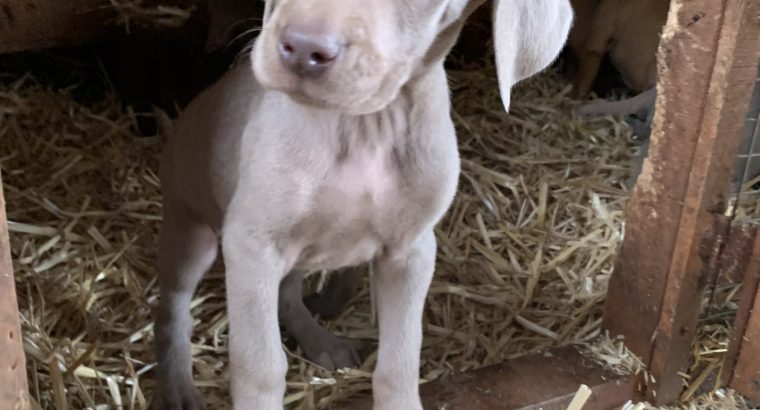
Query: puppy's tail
point(165, 124)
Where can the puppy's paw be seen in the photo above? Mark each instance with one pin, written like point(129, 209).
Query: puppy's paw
point(180, 396)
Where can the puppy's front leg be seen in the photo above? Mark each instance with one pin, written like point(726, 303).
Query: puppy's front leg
point(257, 362)
point(402, 280)
point(186, 250)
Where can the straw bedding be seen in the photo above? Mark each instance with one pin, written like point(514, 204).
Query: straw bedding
point(128, 13)
point(524, 253)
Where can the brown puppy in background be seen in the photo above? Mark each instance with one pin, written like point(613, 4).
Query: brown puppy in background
point(578, 38)
point(628, 30)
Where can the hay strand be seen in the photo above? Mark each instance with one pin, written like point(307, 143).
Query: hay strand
point(129, 13)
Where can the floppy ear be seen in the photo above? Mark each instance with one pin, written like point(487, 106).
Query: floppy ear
point(268, 8)
point(528, 36)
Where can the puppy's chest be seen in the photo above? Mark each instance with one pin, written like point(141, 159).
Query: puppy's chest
point(358, 208)
point(366, 181)
point(361, 192)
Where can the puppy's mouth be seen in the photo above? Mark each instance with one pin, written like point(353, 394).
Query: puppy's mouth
point(302, 97)
point(313, 92)
point(299, 90)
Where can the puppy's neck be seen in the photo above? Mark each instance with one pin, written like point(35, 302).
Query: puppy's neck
point(380, 128)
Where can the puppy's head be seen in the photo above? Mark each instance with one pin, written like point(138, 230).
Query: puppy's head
point(354, 56)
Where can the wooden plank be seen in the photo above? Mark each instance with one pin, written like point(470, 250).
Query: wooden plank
point(14, 393)
point(545, 381)
point(706, 65)
point(34, 24)
point(748, 273)
point(736, 254)
point(746, 378)
point(741, 367)
point(31, 24)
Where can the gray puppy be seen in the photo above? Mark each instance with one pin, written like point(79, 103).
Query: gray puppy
point(336, 149)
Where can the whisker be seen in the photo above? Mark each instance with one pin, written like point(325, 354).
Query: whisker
point(245, 52)
point(243, 34)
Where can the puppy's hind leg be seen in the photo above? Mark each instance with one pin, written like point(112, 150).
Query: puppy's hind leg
point(318, 345)
point(642, 102)
point(643, 127)
point(341, 286)
point(186, 251)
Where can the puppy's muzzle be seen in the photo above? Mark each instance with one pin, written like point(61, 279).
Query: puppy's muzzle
point(306, 51)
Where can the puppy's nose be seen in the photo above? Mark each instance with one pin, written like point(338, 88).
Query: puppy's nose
point(308, 52)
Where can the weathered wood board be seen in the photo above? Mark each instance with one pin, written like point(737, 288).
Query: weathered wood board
point(746, 377)
point(741, 369)
point(35, 24)
point(545, 381)
point(32, 24)
point(14, 393)
point(707, 64)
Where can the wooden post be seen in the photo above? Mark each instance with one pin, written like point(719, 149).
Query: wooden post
point(741, 368)
point(746, 375)
point(707, 65)
point(736, 255)
point(14, 393)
